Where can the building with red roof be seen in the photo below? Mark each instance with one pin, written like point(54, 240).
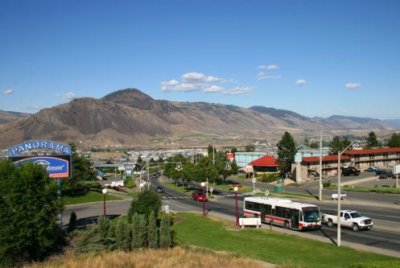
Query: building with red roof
point(360, 159)
point(267, 163)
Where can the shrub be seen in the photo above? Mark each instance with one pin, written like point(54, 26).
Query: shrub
point(72, 222)
point(139, 231)
point(165, 231)
point(123, 235)
point(326, 184)
point(152, 231)
point(29, 208)
point(147, 202)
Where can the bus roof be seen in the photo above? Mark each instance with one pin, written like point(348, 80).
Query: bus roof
point(278, 202)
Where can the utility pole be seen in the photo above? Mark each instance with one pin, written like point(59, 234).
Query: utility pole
point(320, 167)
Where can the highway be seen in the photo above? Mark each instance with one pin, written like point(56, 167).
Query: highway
point(383, 238)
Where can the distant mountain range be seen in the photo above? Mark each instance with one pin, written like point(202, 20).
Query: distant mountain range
point(130, 118)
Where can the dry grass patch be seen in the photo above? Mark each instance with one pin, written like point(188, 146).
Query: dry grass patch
point(166, 258)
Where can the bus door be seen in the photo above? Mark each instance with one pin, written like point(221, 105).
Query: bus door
point(263, 212)
point(295, 219)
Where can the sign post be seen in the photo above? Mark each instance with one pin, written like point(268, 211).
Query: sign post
point(396, 170)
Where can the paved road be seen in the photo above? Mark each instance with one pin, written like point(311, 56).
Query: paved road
point(383, 238)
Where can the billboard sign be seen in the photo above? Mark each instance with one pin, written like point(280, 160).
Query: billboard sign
point(56, 167)
point(54, 156)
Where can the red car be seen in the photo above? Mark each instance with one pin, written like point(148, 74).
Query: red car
point(199, 196)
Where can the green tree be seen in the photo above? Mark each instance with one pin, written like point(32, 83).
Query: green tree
point(286, 152)
point(338, 144)
point(152, 231)
point(372, 140)
point(250, 148)
point(146, 202)
point(165, 231)
point(394, 140)
point(234, 150)
point(29, 208)
point(138, 231)
point(83, 174)
point(123, 235)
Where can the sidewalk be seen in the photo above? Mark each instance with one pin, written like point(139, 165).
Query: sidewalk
point(314, 237)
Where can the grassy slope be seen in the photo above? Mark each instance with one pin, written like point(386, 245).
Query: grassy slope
point(272, 247)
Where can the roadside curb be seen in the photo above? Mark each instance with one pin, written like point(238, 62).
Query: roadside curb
point(351, 245)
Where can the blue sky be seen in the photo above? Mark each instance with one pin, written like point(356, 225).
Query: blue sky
point(316, 58)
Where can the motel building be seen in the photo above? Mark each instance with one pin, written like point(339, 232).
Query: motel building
point(360, 159)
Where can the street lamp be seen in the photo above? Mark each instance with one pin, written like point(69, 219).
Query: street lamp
point(104, 191)
point(339, 196)
point(235, 190)
point(203, 184)
point(320, 168)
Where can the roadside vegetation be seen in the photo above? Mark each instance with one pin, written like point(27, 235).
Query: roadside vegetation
point(211, 242)
point(165, 258)
point(268, 246)
point(371, 189)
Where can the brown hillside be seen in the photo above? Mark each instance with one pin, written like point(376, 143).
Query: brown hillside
point(130, 118)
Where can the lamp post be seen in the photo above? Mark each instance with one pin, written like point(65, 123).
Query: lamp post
point(104, 191)
point(339, 227)
point(203, 184)
point(320, 168)
point(235, 189)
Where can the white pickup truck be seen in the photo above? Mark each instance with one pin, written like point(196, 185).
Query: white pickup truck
point(350, 219)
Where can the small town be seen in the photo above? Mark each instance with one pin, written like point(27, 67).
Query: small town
point(165, 134)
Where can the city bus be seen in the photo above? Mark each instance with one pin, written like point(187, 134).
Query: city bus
point(283, 212)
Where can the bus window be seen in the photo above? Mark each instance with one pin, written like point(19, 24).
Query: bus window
point(311, 214)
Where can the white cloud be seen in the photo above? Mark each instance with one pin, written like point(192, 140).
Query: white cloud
point(237, 91)
point(301, 82)
point(196, 81)
point(8, 91)
point(186, 87)
point(201, 78)
point(264, 76)
point(352, 85)
point(68, 96)
point(213, 89)
point(169, 85)
point(268, 67)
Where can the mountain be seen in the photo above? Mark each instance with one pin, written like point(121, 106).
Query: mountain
point(7, 117)
point(130, 118)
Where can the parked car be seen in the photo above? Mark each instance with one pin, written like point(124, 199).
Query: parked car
point(347, 171)
point(160, 189)
point(372, 169)
point(199, 195)
point(384, 174)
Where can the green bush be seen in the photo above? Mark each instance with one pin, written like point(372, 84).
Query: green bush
point(326, 184)
point(152, 231)
point(268, 177)
point(130, 183)
point(139, 231)
point(165, 231)
point(72, 222)
point(147, 202)
point(29, 209)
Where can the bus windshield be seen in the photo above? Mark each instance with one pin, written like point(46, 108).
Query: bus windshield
point(311, 214)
